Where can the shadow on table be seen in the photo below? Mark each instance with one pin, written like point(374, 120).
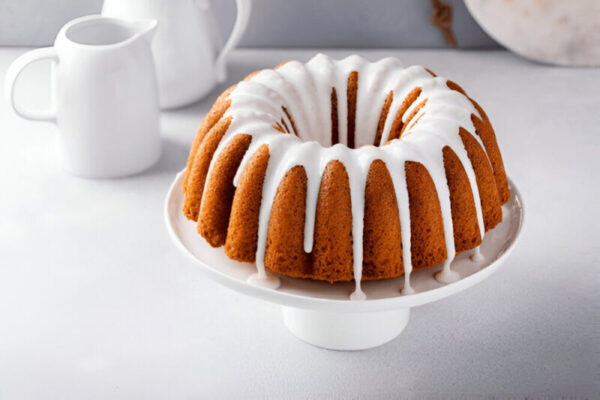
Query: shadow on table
point(172, 160)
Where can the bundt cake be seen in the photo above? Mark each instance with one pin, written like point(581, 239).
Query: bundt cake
point(337, 170)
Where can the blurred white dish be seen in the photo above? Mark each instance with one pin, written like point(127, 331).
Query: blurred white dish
point(186, 49)
point(552, 31)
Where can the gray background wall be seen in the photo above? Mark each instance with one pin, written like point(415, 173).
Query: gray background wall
point(274, 23)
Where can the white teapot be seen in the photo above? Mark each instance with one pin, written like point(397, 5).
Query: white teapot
point(185, 48)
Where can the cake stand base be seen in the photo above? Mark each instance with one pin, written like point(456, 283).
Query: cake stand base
point(345, 331)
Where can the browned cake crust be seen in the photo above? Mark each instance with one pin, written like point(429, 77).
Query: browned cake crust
point(486, 132)
point(351, 99)
point(406, 103)
point(242, 232)
point(228, 216)
point(332, 248)
point(428, 247)
point(462, 203)
point(217, 202)
point(285, 239)
point(214, 115)
point(382, 249)
point(335, 136)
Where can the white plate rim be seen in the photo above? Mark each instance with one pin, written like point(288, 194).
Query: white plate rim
point(335, 305)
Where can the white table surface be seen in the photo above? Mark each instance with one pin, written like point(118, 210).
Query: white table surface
point(96, 302)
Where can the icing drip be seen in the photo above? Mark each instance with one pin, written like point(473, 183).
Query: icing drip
point(446, 275)
point(476, 255)
point(267, 280)
point(299, 95)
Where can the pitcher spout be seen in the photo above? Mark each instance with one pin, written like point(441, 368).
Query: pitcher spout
point(145, 28)
point(99, 31)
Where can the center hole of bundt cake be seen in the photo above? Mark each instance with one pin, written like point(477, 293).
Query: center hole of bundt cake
point(320, 136)
point(354, 139)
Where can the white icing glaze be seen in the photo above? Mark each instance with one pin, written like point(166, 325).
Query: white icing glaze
point(268, 280)
point(305, 92)
point(476, 255)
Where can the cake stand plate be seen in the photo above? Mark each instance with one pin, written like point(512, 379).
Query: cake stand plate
point(321, 313)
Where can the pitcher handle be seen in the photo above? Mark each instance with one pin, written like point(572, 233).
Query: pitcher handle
point(12, 75)
point(241, 22)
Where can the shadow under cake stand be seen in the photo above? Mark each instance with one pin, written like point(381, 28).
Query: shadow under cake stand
point(321, 313)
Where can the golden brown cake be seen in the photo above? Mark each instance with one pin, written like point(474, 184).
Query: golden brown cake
point(337, 170)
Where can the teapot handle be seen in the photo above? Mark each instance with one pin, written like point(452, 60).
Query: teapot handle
point(241, 22)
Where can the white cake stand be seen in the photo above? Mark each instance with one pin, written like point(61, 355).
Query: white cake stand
point(321, 313)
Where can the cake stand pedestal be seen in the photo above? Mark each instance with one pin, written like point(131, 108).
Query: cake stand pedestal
point(322, 314)
point(332, 330)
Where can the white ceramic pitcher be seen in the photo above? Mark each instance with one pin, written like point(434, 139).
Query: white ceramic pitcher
point(186, 46)
point(104, 97)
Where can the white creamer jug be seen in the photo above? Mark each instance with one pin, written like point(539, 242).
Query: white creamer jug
point(105, 96)
point(186, 47)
